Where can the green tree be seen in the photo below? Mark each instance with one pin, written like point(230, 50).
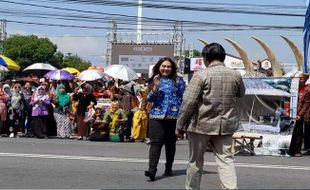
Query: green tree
point(195, 51)
point(76, 62)
point(57, 59)
point(26, 50)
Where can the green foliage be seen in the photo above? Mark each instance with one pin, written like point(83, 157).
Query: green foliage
point(76, 62)
point(57, 60)
point(26, 50)
point(195, 51)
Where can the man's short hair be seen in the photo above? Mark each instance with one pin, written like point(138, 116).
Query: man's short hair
point(214, 51)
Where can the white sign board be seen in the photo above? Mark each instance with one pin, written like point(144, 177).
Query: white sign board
point(233, 62)
point(151, 70)
point(138, 61)
point(197, 64)
point(294, 99)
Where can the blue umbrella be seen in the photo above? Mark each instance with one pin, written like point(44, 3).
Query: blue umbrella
point(59, 74)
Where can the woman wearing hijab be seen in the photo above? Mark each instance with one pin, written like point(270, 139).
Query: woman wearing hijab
point(3, 94)
point(17, 102)
point(27, 92)
point(116, 118)
point(85, 99)
point(140, 118)
point(3, 111)
point(8, 92)
point(100, 131)
point(40, 102)
point(61, 111)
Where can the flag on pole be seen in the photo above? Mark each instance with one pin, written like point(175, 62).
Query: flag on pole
point(306, 37)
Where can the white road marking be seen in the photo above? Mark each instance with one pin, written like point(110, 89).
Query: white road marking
point(141, 160)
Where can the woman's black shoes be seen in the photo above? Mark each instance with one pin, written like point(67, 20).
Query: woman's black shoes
point(168, 173)
point(150, 175)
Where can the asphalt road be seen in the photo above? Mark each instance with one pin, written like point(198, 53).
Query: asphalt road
point(71, 164)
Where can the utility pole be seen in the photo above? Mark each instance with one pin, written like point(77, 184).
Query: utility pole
point(139, 23)
point(191, 49)
point(111, 38)
point(3, 35)
point(114, 31)
point(182, 43)
point(178, 39)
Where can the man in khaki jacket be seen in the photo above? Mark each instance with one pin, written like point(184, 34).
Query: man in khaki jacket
point(210, 114)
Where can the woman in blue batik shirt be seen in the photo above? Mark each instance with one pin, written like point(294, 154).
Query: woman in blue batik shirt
point(166, 91)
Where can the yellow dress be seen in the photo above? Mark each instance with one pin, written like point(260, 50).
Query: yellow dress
point(116, 128)
point(139, 125)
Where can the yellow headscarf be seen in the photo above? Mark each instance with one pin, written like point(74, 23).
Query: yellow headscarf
point(115, 114)
point(114, 104)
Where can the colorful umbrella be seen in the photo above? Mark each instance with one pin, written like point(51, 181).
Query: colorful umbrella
point(90, 75)
point(40, 66)
point(92, 67)
point(121, 72)
point(72, 70)
point(59, 74)
point(100, 68)
point(3, 68)
point(9, 63)
point(29, 79)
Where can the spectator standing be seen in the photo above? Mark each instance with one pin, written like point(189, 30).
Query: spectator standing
point(140, 117)
point(15, 111)
point(73, 108)
point(8, 92)
point(61, 111)
point(128, 102)
point(166, 91)
point(40, 103)
point(27, 92)
point(51, 122)
point(3, 111)
point(85, 99)
point(210, 113)
point(302, 126)
point(3, 95)
point(307, 127)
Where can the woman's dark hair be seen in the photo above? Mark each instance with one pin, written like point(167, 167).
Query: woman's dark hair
point(214, 51)
point(156, 71)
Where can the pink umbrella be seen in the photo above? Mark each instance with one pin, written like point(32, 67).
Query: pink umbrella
point(100, 68)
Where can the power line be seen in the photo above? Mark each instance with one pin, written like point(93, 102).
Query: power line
point(199, 3)
point(129, 21)
point(87, 16)
point(188, 30)
point(149, 5)
point(231, 4)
